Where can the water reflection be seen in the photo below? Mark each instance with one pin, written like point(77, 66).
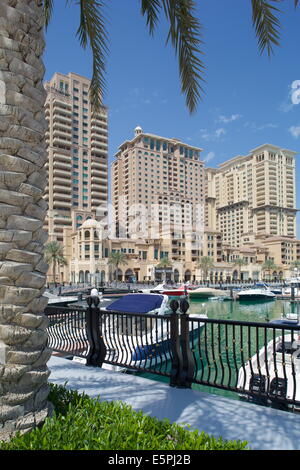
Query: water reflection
point(257, 311)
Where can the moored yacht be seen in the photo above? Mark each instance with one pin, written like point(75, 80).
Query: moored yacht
point(206, 292)
point(260, 292)
point(273, 374)
point(137, 331)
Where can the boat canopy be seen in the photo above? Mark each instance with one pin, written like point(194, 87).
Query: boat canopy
point(137, 303)
point(284, 321)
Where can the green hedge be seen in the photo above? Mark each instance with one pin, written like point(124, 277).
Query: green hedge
point(80, 422)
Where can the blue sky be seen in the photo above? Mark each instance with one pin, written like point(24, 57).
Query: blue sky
point(247, 99)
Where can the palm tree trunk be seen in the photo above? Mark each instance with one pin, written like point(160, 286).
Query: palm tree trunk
point(23, 351)
point(54, 271)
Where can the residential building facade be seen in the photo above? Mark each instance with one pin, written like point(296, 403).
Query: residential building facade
point(157, 187)
point(77, 144)
point(253, 195)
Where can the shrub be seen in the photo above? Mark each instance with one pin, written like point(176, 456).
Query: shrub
point(80, 422)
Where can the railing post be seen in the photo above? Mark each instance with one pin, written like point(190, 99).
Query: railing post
point(175, 346)
point(188, 363)
point(97, 351)
point(292, 293)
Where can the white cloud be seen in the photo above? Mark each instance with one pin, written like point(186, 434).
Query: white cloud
point(295, 131)
point(220, 132)
point(215, 135)
point(255, 127)
point(293, 97)
point(231, 118)
point(209, 156)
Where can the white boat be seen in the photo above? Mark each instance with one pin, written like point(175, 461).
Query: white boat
point(292, 284)
point(261, 292)
point(274, 373)
point(206, 292)
point(59, 300)
point(275, 290)
point(140, 341)
point(157, 289)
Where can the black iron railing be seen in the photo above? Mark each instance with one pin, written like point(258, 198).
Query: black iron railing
point(260, 361)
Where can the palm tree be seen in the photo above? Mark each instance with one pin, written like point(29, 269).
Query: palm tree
point(164, 264)
point(269, 266)
point(54, 255)
point(239, 262)
point(23, 174)
point(205, 264)
point(295, 266)
point(116, 259)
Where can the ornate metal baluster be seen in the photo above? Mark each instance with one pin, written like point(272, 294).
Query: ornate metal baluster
point(175, 346)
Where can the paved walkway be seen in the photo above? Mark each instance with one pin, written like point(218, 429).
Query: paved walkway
point(263, 428)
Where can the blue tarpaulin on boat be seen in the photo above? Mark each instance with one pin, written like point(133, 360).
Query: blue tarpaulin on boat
point(137, 303)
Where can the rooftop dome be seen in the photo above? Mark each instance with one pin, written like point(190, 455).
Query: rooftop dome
point(138, 130)
point(90, 223)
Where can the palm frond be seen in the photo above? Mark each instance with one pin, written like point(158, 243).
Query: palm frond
point(266, 23)
point(92, 31)
point(48, 10)
point(150, 9)
point(185, 34)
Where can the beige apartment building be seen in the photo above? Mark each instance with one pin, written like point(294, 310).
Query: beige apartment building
point(90, 246)
point(158, 202)
point(77, 142)
point(88, 256)
point(253, 195)
point(157, 187)
point(158, 192)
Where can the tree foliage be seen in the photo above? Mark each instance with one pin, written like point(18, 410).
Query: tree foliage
point(184, 34)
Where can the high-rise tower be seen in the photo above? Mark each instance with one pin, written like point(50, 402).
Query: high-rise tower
point(77, 155)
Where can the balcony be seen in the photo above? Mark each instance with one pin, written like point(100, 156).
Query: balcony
point(59, 140)
point(98, 147)
point(96, 152)
point(99, 165)
point(100, 190)
point(61, 157)
point(62, 204)
point(59, 114)
point(57, 188)
point(99, 173)
point(60, 108)
point(63, 181)
point(61, 196)
point(62, 165)
point(61, 173)
point(62, 127)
